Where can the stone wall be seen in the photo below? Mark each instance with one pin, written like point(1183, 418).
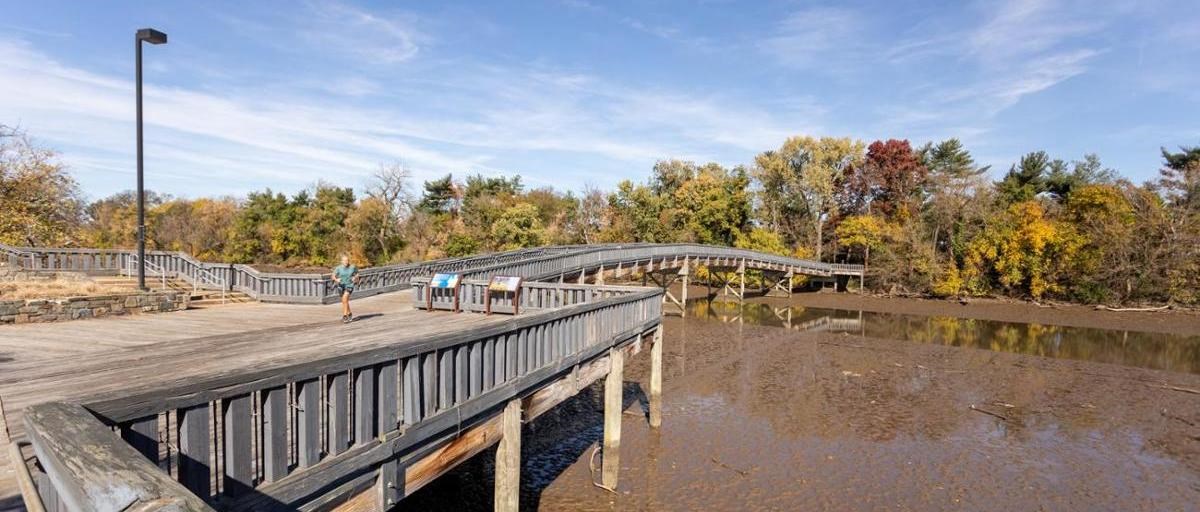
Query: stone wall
point(11, 273)
point(96, 306)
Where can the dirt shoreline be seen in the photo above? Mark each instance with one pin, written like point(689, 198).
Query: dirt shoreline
point(1186, 322)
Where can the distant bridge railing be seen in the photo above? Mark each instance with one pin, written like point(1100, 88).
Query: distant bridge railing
point(538, 263)
point(609, 256)
point(15, 256)
point(534, 296)
point(290, 435)
point(263, 286)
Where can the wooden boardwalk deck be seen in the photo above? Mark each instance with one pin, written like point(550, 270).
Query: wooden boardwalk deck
point(40, 363)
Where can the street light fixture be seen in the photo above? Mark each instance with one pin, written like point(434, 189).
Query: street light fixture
point(151, 36)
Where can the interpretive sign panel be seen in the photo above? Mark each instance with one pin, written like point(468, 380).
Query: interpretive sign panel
point(444, 281)
point(505, 284)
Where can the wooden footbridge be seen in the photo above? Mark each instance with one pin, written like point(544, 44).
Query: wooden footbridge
point(321, 416)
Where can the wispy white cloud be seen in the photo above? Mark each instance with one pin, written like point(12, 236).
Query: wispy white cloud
point(815, 36)
point(1027, 27)
point(979, 70)
point(371, 37)
point(467, 118)
point(35, 31)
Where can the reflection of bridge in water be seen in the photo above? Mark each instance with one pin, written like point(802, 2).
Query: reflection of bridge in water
point(828, 324)
point(223, 410)
point(788, 317)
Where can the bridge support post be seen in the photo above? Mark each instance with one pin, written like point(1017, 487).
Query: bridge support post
point(683, 273)
point(508, 458)
point(741, 272)
point(599, 275)
point(391, 484)
point(781, 284)
point(613, 401)
point(656, 351)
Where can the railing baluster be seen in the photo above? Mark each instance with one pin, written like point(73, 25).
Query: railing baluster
point(462, 384)
point(445, 379)
point(364, 404)
point(389, 396)
point(308, 423)
point(274, 436)
point(489, 363)
point(476, 368)
point(338, 419)
point(195, 449)
point(429, 384)
point(142, 434)
point(523, 351)
point(236, 436)
point(411, 391)
point(512, 356)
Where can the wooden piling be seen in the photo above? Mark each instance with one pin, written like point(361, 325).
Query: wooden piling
point(389, 485)
point(508, 459)
point(613, 401)
point(656, 351)
point(741, 272)
point(683, 273)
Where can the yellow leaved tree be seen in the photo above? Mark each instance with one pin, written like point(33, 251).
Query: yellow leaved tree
point(1021, 251)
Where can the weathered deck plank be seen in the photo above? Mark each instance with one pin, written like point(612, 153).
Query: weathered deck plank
point(201, 343)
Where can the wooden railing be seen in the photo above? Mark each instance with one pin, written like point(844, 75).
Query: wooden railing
point(15, 257)
point(535, 263)
point(672, 255)
point(264, 286)
point(535, 296)
point(282, 437)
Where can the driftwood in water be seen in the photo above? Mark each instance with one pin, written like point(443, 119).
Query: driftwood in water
point(989, 413)
point(1177, 388)
point(1140, 310)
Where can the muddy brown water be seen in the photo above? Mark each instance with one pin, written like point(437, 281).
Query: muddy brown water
point(849, 413)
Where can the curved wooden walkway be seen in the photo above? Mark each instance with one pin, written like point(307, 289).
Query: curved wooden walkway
point(393, 390)
point(435, 379)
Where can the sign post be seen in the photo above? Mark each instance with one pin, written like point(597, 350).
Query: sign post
point(442, 282)
point(506, 285)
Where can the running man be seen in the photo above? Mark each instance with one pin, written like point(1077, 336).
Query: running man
point(345, 276)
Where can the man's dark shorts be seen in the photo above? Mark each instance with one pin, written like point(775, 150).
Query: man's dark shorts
point(343, 289)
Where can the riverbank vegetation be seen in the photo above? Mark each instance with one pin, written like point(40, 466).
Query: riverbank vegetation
point(926, 219)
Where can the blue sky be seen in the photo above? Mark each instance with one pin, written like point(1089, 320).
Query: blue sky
point(572, 93)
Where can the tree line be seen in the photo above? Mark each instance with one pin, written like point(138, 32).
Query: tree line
point(925, 219)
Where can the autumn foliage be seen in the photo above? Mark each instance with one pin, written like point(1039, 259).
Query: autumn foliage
point(926, 220)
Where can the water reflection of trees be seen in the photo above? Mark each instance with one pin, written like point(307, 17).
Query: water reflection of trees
point(845, 388)
point(1147, 350)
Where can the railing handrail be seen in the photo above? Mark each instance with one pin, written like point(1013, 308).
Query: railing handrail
point(126, 405)
point(15, 254)
point(649, 252)
point(314, 287)
point(151, 268)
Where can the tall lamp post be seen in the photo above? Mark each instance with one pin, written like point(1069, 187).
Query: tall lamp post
point(151, 36)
